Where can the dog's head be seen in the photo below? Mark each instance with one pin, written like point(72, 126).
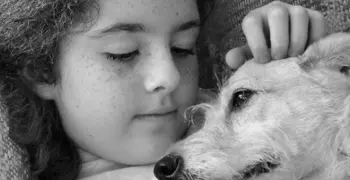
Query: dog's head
point(288, 119)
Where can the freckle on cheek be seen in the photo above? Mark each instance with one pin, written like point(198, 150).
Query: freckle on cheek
point(118, 71)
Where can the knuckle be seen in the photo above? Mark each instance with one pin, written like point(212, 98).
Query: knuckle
point(318, 16)
point(278, 10)
point(249, 20)
point(276, 3)
point(298, 10)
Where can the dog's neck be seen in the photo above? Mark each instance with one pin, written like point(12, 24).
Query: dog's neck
point(343, 137)
point(344, 156)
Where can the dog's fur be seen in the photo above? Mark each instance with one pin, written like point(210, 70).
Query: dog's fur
point(296, 119)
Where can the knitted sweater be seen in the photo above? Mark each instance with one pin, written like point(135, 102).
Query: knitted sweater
point(13, 158)
point(221, 32)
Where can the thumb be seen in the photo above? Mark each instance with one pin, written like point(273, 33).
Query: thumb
point(238, 56)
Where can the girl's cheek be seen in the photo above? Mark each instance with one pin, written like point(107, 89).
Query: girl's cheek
point(189, 70)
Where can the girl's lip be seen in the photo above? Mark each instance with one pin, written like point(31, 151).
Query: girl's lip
point(156, 114)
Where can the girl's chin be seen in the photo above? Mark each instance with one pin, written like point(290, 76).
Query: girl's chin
point(173, 135)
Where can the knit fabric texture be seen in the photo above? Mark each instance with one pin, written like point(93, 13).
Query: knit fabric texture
point(221, 32)
point(13, 158)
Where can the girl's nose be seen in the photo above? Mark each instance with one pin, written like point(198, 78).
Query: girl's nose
point(163, 74)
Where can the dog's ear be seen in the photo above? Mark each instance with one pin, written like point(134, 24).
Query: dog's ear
point(332, 52)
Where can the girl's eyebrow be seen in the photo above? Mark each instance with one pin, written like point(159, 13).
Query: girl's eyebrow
point(119, 27)
point(137, 27)
point(188, 25)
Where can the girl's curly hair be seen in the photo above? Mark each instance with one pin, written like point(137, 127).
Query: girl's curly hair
point(29, 34)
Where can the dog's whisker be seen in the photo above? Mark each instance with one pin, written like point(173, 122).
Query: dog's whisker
point(189, 176)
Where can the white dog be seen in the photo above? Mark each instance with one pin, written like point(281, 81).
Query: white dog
point(285, 120)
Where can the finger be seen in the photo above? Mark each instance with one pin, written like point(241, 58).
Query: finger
point(253, 29)
point(278, 21)
point(299, 22)
point(237, 57)
point(317, 26)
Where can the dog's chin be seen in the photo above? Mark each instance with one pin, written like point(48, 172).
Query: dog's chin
point(257, 169)
point(249, 172)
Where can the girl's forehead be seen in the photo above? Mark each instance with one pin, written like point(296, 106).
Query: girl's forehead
point(145, 7)
point(153, 14)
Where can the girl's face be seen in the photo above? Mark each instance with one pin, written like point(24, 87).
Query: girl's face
point(125, 82)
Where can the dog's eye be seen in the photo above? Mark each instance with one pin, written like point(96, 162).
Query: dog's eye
point(240, 98)
point(345, 70)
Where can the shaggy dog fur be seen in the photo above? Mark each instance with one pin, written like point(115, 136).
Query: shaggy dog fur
point(285, 120)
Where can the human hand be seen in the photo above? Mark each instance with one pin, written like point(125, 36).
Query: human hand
point(276, 31)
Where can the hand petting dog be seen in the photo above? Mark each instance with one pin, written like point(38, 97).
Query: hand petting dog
point(276, 31)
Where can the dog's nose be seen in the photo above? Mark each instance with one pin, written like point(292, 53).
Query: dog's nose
point(168, 167)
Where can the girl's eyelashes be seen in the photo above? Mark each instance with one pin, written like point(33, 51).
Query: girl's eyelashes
point(130, 56)
point(124, 57)
point(182, 53)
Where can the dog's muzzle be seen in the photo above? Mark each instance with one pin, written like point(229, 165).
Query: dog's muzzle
point(169, 167)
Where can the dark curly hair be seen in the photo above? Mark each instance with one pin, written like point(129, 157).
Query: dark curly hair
point(29, 34)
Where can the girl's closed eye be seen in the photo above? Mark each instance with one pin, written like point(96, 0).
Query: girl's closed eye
point(182, 53)
point(123, 57)
point(130, 56)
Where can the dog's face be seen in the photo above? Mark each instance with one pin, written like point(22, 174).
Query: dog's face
point(288, 119)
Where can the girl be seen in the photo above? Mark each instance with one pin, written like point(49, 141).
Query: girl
point(95, 86)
